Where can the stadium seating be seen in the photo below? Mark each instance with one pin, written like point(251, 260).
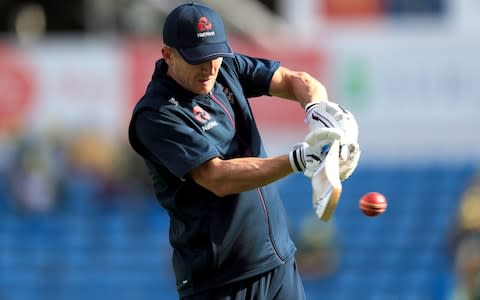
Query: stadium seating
point(86, 252)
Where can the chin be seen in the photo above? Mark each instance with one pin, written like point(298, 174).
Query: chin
point(204, 90)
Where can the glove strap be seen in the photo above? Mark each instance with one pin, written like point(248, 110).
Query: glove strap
point(310, 105)
point(297, 161)
point(322, 116)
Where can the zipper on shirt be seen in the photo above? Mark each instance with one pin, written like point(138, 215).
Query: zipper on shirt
point(246, 148)
point(259, 190)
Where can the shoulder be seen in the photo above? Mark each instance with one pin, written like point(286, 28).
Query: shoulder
point(159, 105)
point(155, 103)
point(242, 63)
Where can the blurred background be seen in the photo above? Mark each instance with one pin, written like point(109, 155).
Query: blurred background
point(78, 219)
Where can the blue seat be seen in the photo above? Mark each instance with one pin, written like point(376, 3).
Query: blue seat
point(121, 255)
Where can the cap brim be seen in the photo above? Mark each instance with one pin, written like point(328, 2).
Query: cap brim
point(203, 53)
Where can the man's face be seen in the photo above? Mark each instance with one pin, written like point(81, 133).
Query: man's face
point(198, 79)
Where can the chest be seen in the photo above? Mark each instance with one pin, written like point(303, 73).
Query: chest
point(224, 119)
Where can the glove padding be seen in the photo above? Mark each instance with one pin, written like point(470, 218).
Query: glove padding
point(327, 114)
point(349, 157)
point(307, 156)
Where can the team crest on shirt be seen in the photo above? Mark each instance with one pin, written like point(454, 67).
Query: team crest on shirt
point(200, 114)
point(204, 118)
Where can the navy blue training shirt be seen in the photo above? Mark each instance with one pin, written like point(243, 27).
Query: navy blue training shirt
point(216, 240)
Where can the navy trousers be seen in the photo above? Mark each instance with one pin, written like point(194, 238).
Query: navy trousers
point(282, 283)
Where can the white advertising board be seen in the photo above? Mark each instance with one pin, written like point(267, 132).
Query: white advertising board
point(416, 97)
point(82, 86)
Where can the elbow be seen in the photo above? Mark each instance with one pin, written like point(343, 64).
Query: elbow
point(220, 191)
point(217, 187)
point(209, 177)
point(217, 183)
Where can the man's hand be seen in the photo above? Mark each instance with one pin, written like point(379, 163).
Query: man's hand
point(307, 156)
point(332, 115)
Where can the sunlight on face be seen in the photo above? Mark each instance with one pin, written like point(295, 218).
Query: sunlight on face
point(198, 79)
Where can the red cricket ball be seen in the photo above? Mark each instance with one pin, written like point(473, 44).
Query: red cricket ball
point(372, 204)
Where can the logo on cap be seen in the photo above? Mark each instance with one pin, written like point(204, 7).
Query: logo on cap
point(203, 26)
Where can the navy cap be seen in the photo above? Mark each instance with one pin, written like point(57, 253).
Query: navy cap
point(197, 32)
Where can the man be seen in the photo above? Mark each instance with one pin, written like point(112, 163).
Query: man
point(196, 132)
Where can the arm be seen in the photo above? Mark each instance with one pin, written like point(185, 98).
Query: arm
point(224, 177)
point(298, 86)
point(305, 89)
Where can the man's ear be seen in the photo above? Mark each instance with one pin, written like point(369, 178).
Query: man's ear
point(167, 53)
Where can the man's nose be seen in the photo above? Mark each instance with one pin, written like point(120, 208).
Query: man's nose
point(208, 66)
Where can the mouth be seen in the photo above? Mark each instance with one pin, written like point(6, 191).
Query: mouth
point(205, 80)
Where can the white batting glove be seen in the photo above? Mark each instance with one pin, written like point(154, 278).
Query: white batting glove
point(307, 156)
point(327, 114)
